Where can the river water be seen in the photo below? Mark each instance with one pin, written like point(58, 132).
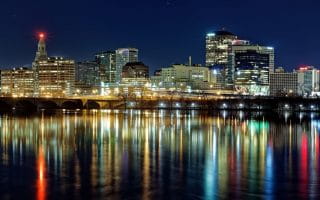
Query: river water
point(144, 154)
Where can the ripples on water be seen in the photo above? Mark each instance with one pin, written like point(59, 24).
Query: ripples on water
point(159, 154)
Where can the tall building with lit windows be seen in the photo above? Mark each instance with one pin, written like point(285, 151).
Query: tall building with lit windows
point(217, 45)
point(124, 56)
point(41, 54)
point(107, 66)
point(249, 68)
point(54, 76)
point(217, 50)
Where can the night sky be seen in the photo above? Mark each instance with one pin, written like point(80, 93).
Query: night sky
point(165, 31)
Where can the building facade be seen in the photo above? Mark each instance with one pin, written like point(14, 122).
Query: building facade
point(217, 45)
point(308, 78)
point(284, 84)
point(87, 73)
point(53, 76)
point(56, 77)
point(17, 82)
point(217, 51)
point(124, 56)
point(6, 82)
point(107, 66)
point(217, 75)
point(135, 74)
point(41, 55)
point(249, 68)
point(182, 77)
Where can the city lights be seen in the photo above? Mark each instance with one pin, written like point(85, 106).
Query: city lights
point(119, 75)
point(165, 99)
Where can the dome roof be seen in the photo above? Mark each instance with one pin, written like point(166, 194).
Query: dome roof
point(223, 33)
point(135, 64)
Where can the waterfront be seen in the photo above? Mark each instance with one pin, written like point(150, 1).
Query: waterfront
point(144, 154)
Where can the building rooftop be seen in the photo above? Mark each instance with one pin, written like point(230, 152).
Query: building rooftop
point(224, 32)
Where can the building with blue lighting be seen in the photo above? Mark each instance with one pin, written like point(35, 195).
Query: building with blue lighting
point(249, 68)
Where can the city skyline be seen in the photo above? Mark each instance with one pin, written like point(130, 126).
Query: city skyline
point(77, 35)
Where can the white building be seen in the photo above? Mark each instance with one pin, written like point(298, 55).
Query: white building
point(182, 76)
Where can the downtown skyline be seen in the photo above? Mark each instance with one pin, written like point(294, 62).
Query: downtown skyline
point(78, 35)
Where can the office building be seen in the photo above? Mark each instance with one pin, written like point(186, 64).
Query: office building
point(135, 73)
point(17, 82)
point(284, 83)
point(54, 76)
point(249, 68)
point(6, 82)
point(217, 45)
point(124, 56)
point(217, 74)
point(107, 66)
point(41, 54)
point(308, 78)
point(217, 50)
point(182, 77)
point(87, 73)
point(135, 70)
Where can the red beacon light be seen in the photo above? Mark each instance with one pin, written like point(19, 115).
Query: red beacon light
point(304, 67)
point(41, 35)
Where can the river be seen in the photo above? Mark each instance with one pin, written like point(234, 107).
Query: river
point(161, 154)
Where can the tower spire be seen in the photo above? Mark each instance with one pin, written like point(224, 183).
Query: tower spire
point(41, 53)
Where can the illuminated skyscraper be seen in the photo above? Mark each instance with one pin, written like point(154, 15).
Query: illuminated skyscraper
point(217, 51)
point(107, 66)
point(124, 56)
point(42, 52)
point(249, 66)
point(217, 45)
point(54, 76)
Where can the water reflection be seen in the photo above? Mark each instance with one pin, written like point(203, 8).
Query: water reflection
point(159, 154)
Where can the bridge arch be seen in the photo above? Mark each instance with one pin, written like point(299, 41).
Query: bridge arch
point(48, 105)
point(71, 105)
point(25, 105)
point(92, 105)
point(5, 106)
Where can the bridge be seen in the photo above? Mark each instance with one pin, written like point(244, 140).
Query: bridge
point(38, 103)
point(170, 102)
